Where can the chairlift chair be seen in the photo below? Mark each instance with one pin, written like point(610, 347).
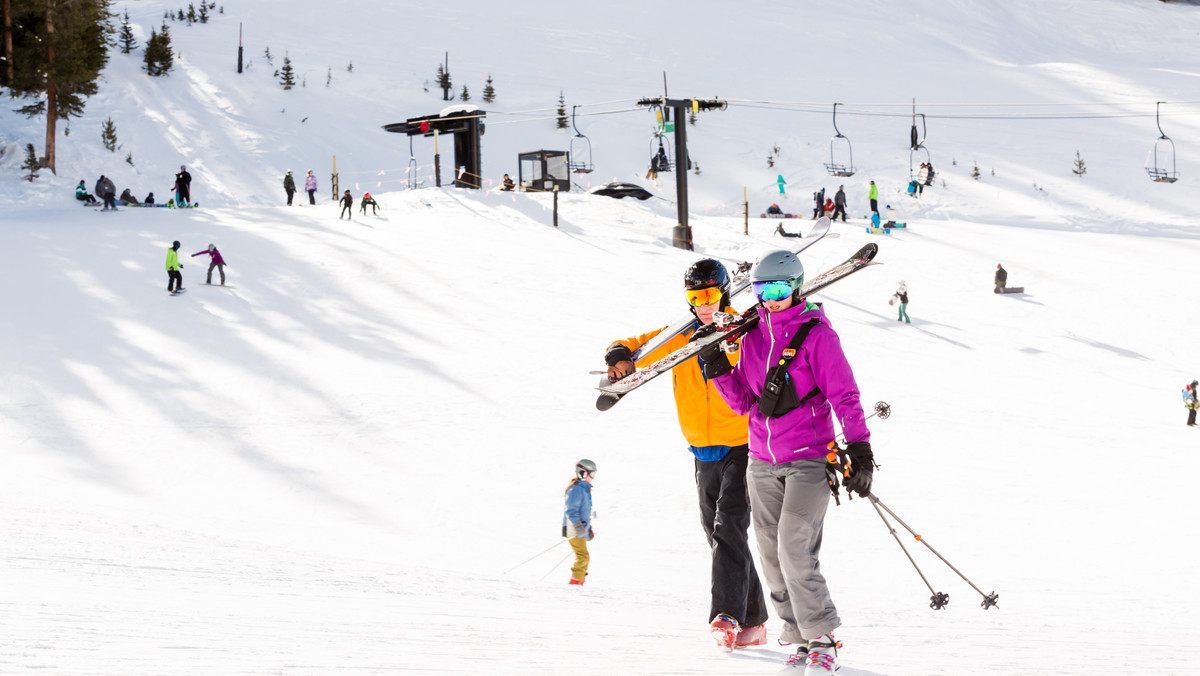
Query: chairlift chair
point(917, 149)
point(1161, 155)
point(581, 150)
point(839, 149)
point(662, 142)
point(412, 166)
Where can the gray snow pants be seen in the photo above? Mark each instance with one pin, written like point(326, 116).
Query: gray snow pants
point(788, 504)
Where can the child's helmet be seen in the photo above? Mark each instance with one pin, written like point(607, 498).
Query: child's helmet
point(211, 247)
point(584, 467)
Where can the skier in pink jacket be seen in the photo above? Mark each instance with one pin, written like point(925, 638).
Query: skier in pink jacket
point(791, 375)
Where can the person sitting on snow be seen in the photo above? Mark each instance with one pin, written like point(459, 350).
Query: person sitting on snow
point(774, 209)
point(127, 197)
point(83, 195)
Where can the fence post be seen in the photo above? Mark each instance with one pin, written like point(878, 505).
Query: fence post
point(556, 206)
point(745, 212)
point(333, 180)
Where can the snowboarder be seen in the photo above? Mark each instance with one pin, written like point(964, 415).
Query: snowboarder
point(717, 437)
point(107, 192)
point(347, 203)
point(790, 433)
point(577, 517)
point(839, 204)
point(289, 186)
point(818, 204)
point(366, 201)
point(310, 186)
point(82, 195)
point(183, 187)
point(174, 276)
point(1190, 402)
point(149, 201)
point(782, 183)
point(873, 195)
point(1001, 278)
point(774, 210)
point(127, 197)
point(901, 297)
point(216, 261)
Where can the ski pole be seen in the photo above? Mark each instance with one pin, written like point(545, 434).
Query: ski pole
point(989, 600)
point(882, 409)
point(534, 556)
point(560, 562)
point(938, 600)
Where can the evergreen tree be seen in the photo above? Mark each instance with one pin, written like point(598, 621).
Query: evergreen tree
point(267, 55)
point(108, 135)
point(329, 76)
point(31, 163)
point(287, 75)
point(466, 95)
point(561, 121)
point(203, 13)
point(443, 79)
point(1080, 169)
point(159, 58)
point(191, 14)
point(975, 172)
point(129, 159)
point(126, 39)
point(58, 51)
point(489, 92)
point(350, 67)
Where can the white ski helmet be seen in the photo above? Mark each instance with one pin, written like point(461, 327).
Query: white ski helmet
point(780, 265)
point(584, 467)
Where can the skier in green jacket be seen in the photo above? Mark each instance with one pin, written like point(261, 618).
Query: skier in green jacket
point(174, 276)
point(873, 195)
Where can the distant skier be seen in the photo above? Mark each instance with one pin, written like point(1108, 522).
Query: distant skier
point(873, 195)
point(577, 517)
point(901, 298)
point(717, 439)
point(347, 203)
point(83, 195)
point(107, 192)
point(1190, 402)
point(791, 428)
point(174, 276)
point(818, 204)
point(782, 183)
point(215, 261)
point(183, 187)
point(1001, 278)
point(839, 204)
point(366, 201)
point(289, 186)
point(310, 186)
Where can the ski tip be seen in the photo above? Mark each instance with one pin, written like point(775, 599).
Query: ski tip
point(606, 401)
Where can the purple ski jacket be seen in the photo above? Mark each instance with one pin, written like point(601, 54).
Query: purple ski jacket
point(806, 431)
point(216, 255)
point(310, 182)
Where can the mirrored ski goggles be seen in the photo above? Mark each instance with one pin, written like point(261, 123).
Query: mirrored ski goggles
point(778, 290)
point(698, 297)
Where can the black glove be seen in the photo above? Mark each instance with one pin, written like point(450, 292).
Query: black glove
point(862, 466)
point(617, 353)
point(715, 365)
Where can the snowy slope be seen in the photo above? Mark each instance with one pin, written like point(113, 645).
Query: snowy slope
point(339, 463)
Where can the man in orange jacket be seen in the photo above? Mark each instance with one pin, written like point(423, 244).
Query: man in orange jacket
point(718, 438)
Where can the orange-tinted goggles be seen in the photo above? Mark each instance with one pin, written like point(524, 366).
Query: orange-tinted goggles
point(698, 297)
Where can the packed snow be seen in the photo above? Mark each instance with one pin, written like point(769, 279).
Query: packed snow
point(351, 458)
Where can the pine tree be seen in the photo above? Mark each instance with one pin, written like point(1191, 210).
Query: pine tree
point(203, 13)
point(108, 135)
point(287, 76)
point(129, 159)
point(191, 14)
point(59, 48)
point(561, 121)
point(128, 42)
point(1079, 169)
point(159, 58)
point(466, 95)
point(267, 55)
point(328, 75)
point(975, 172)
point(443, 80)
point(489, 92)
point(31, 163)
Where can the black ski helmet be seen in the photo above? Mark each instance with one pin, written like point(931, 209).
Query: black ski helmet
point(707, 273)
point(175, 244)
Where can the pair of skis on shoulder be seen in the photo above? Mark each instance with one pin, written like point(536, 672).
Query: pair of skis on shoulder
point(726, 328)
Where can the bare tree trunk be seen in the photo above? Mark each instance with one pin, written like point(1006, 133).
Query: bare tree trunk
point(51, 88)
point(8, 45)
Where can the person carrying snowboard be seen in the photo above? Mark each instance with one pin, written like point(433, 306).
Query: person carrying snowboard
point(366, 201)
point(347, 203)
point(289, 186)
point(901, 298)
point(174, 276)
point(1190, 402)
point(717, 438)
point(183, 187)
point(215, 261)
point(310, 186)
point(794, 349)
point(577, 517)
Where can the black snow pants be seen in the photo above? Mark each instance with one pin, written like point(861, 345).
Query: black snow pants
point(725, 515)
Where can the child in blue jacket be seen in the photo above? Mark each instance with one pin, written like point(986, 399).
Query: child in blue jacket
point(577, 517)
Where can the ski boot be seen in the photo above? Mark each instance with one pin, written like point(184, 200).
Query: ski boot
point(751, 636)
point(822, 656)
point(725, 630)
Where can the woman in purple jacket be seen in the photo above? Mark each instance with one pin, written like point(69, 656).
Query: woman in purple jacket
point(310, 186)
point(790, 431)
point(217, 262)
